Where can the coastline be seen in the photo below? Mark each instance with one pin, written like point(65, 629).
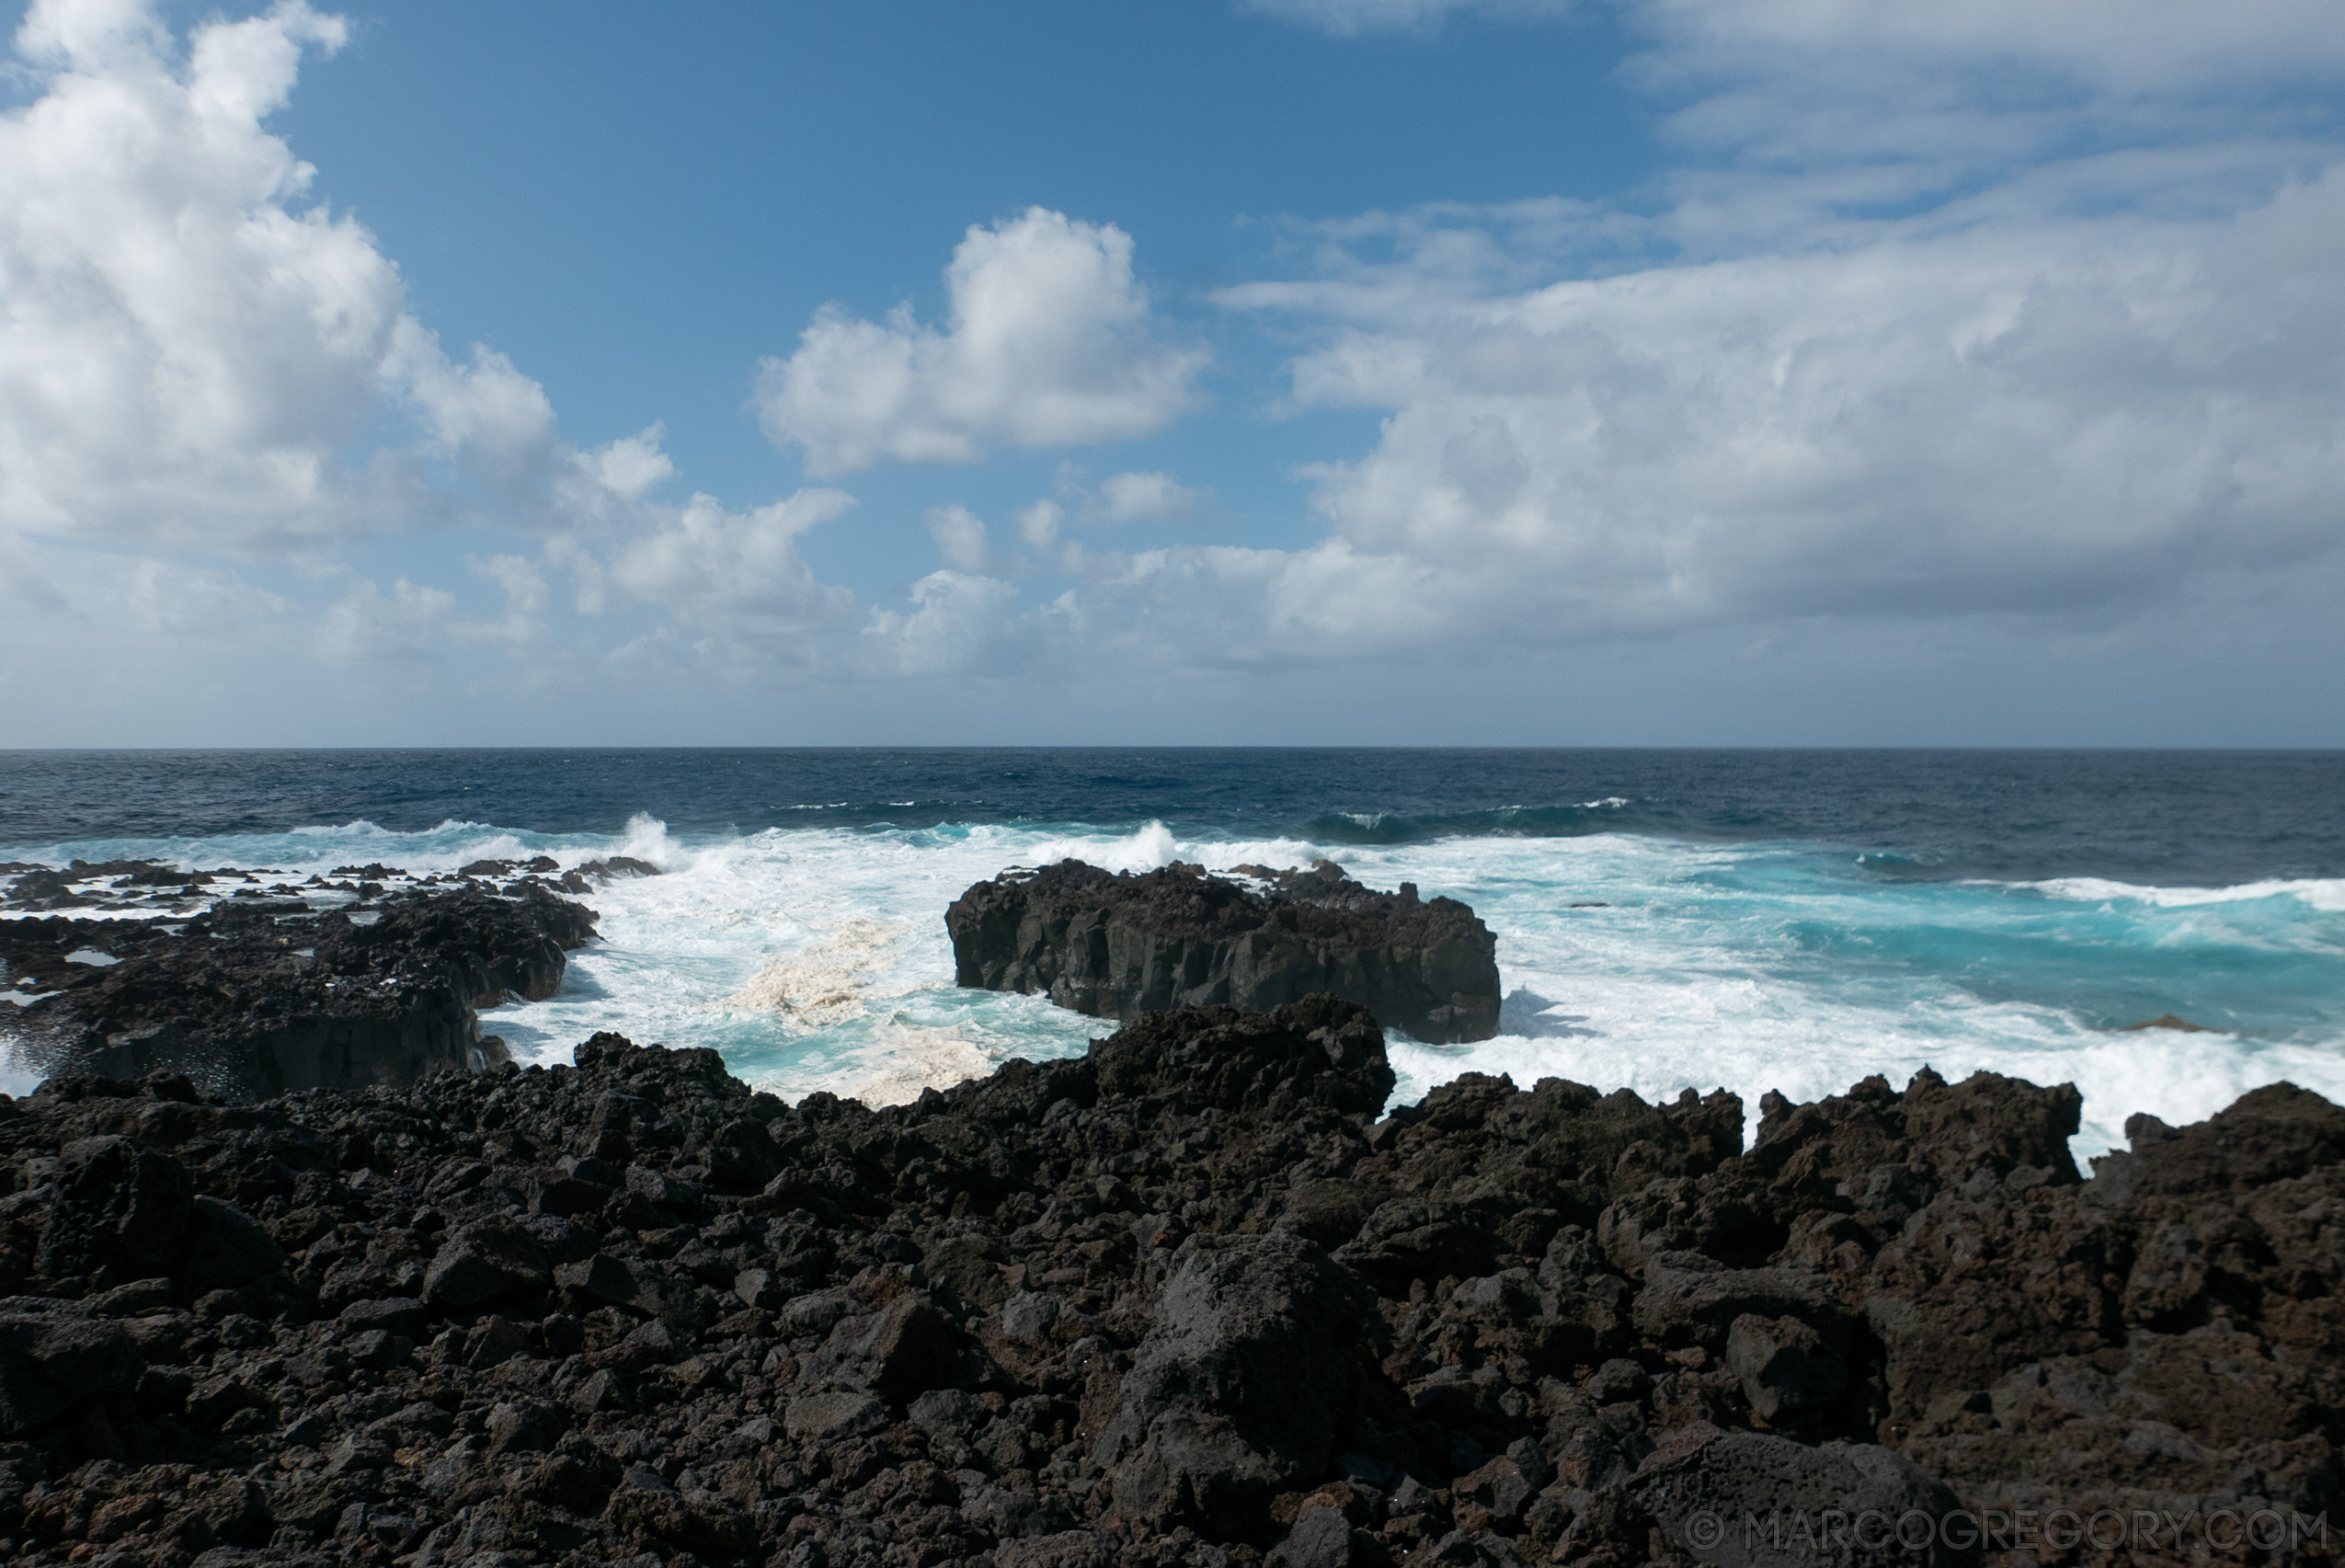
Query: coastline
point(814, 959)
point(1190, 1298)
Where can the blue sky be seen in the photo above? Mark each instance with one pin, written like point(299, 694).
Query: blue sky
point(1378, 371)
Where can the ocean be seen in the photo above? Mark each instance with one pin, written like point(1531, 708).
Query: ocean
point(1749, 919)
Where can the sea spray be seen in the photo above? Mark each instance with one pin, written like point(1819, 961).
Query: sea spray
point(1661, 944)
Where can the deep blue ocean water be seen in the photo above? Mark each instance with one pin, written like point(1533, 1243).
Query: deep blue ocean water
point(1790, 920)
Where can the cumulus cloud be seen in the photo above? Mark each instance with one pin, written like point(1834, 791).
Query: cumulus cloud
point(961, 624)
point(1051, 342)
point(46, 592)
point(2091, 368)
point(190, 346)
point(960, 537)
point(736, 576)
point(182, 346)
point(2039, 420)
point(197, 355)
point(1039, 524)
point(631, 465)
point(410, 624)
point(414, 623)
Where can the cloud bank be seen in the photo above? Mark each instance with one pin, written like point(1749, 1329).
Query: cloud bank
point(2043, 420)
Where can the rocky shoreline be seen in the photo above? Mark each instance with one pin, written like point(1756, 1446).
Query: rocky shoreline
point(249, 985)
point(1192, 1299)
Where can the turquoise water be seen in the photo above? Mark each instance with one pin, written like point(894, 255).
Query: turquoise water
point(1666, 940)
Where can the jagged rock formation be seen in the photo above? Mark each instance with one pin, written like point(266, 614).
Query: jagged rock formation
point(250, 998)
point(1116, 945)
point(1184, 1300)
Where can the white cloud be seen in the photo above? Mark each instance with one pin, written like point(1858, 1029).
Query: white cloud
point(737, 576)
point(1137, 497)
point(2086, 382)
point(486, 415)
point(181, 350)
point(418, 624)
point(198, 356)
point(48, 592)
point(1051, 343)
point(1039, 524)
point(960, 537)
point(409, 624)
point(961, 624)
point(525, 594)
point(1346, 18)
point(2130, 46)
point(189, 347)
point(2035, 418)
point(2096, 369)
point(630, 466)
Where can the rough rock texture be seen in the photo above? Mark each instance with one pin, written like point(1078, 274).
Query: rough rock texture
point(250, 998)
point(1116, 945)
point(1180, 1301)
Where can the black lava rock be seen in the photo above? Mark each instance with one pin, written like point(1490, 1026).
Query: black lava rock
point(1117, 946)
point(245, 1000)
point(1182, 1300)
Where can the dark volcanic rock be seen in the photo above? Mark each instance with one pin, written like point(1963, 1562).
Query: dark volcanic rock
point(487, 1260)
point(1117, 946)
point(1746, 1475)
point(1182, 1300)
point(248, 1000)
point(1259, 1347)
point(54, 1363)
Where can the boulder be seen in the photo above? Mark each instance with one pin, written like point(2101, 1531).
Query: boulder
point(54, 1363)
point(904, 1349)
point(1690, 1300)
point(1784, 1367)
point(1259, 1343)
point(1117, 945)
point(119, 1208)
point(487, 1260)
point(228, 1249)
point(845, 1412)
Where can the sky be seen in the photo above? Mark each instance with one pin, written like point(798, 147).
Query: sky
point(1180, 372)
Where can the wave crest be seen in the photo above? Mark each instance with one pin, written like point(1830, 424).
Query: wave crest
point(1613, 814)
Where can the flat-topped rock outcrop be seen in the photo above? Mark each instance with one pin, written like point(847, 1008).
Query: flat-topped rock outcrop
point(1115, 945)
point(1184, 1300)
point(248, 997)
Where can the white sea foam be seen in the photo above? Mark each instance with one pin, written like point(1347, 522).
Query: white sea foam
point(817, 958)
point(2325, 894)
point(902, 1060)
point(17, 1078)
point(826, 982)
